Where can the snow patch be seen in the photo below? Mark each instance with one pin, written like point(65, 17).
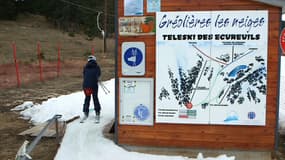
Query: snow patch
point(25, 105)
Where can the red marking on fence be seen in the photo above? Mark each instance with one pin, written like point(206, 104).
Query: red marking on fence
point(40, 60)
point(16, 64)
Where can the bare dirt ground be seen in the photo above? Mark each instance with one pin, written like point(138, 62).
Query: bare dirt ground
point(10, 123)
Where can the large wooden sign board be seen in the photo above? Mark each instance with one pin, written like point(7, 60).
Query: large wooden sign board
point(214, 66)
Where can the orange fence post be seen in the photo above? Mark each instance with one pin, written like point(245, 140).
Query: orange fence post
point(93, 51)
point(40, 61)
point(58, 59)
point(16, 64)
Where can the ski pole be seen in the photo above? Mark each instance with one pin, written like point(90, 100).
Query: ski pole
point(106, 91)
point(105, 87)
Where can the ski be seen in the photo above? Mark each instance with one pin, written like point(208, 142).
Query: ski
point(83, 119)
point(97, 119)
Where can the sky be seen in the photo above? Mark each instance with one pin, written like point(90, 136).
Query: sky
point(85, 141)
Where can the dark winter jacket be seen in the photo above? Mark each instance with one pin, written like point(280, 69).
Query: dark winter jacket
point(91, 74)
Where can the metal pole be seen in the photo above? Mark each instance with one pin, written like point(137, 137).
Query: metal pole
point(105, 26)
point(116, 17)
point(38, 138)
point(56, 130)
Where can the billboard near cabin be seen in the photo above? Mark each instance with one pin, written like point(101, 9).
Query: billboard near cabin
point(211, 67)
point(136, 101)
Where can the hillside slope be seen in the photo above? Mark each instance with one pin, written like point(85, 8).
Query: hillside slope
point(30, 30)
point(27, 30)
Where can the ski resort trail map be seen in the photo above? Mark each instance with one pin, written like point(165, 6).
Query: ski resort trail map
point(218, 77)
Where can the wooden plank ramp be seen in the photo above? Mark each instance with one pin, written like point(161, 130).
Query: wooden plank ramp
point(51, 130)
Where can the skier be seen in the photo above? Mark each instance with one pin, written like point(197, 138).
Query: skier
point(91, 74)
